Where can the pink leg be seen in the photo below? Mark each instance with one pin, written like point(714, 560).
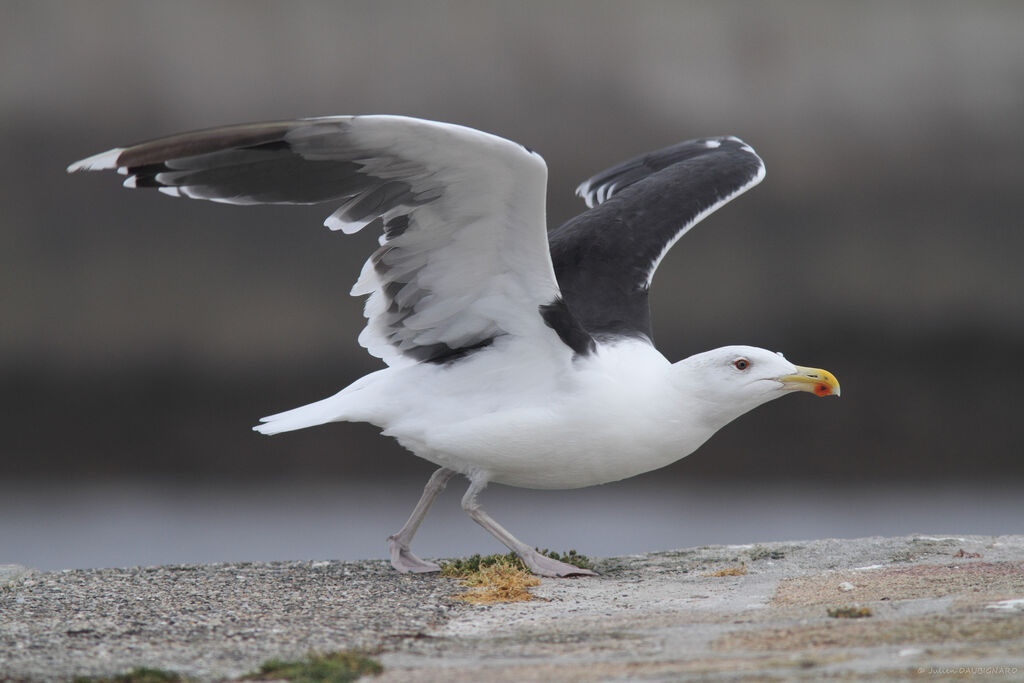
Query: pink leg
point(541, 565)
point(401, 558)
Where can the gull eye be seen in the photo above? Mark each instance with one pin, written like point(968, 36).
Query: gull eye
point(741, 363)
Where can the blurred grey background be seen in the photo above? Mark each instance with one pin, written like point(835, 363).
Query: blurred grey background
point(141, 336)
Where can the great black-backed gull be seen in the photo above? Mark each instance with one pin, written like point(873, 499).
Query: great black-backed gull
point(514, 354)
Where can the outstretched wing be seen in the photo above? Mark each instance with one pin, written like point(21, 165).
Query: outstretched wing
point(605, 258)
point(463, 257)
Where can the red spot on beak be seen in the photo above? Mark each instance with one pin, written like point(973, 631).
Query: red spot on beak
point(822, 389)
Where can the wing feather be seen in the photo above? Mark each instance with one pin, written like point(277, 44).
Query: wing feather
point(605, 258)
point(463, 257)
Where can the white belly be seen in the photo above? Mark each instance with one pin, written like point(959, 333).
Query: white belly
point(541, 454)
point(591, 426)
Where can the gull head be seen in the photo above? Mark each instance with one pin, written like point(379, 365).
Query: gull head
point(727, 382)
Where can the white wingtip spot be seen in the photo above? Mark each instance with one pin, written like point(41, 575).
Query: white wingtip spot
point(584, 193)
point(743, 146)
point(97, 162)
point(712, 144)
point(605, 192)
point(170, 191)
point(334, 223)
point(129, 182)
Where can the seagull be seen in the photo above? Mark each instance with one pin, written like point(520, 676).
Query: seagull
point(513, 354)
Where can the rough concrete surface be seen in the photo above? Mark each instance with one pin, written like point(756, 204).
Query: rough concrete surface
point(942, 608)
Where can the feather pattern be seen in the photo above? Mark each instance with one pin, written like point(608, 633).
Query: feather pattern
point(463, 256)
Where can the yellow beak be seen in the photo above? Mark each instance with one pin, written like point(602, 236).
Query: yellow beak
point(818, 382)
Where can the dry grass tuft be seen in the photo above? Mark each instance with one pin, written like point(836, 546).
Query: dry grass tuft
point(501, 581)
point(731, 571)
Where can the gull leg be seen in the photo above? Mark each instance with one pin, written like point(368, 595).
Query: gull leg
point(398, 544)
point(541, 565)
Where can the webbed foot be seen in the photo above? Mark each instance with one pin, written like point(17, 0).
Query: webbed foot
point(542, 565)
point(406, 562)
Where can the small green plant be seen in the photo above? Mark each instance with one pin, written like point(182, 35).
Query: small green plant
point(571, 557)
point(139, 675)
point(463, 567)
point(762, 553)
point(332, 667)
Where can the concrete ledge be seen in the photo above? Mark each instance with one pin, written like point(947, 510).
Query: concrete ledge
point(11, 573)
point(942, 607)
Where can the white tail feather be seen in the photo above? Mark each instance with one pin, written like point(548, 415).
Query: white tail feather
point(338, 408)
point(311, 415)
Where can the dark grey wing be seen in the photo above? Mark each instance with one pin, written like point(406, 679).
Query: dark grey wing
point(463, 257)
point(605, 258)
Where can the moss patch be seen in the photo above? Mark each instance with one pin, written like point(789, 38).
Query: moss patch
point(762, 553)
point(848, 612)
point(571, 557)
point(333, 667)
point(139, 675)
point(464, 567)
